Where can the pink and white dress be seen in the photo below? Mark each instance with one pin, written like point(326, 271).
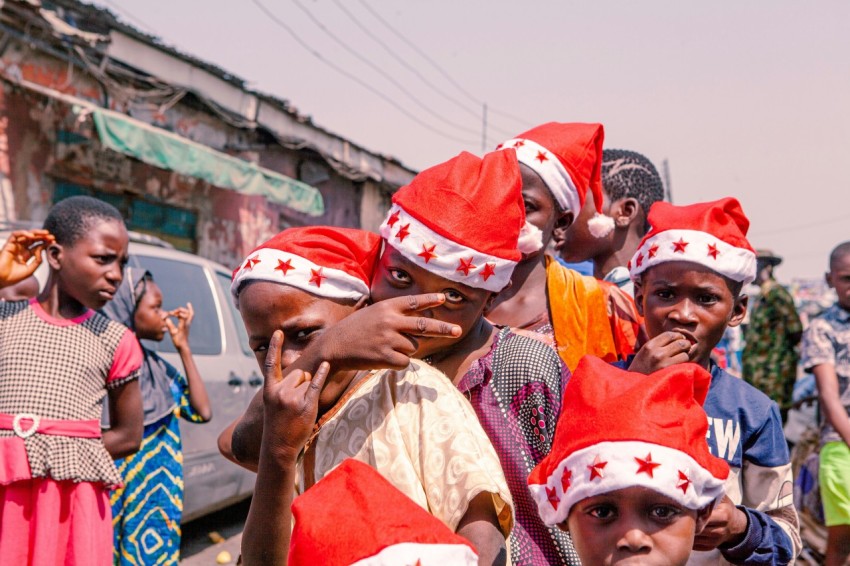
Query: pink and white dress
point(55, 472)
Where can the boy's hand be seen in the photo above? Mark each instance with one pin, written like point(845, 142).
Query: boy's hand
point(291, 404)
point(180, 332)
point(383, 335)
point(666, 349)
point(726, 526)
point(21, 255)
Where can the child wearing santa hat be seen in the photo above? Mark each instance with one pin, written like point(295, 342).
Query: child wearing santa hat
point(560, 168)
point(411, 425)
point(688, 272)
point(455, 229)
point(630, 475)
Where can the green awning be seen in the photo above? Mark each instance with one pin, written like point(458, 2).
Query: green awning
point(166, 150)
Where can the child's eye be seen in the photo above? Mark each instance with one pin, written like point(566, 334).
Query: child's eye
point(453, 297)
point(305, 334)
point(400, 276)
point(602, 512)
point(530, 207)
point(260, 348)
point(708, 299)
point(664, 294)
point(664, 512)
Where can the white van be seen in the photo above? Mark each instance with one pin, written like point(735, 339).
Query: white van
point(225, 362)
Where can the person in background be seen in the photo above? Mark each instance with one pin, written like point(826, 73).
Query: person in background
point(630, 186)
point(59, 361)
point(20, 291)
point(149, 506)
point(688, 273)
point(770, 350)
point(826, 353)
point(560, 164)
point(630, 475)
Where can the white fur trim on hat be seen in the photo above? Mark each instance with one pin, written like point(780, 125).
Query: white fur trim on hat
point(551, 170)
point(444, 257)
point(738, 264)
point(269, 264)
point(422, 554)
point(600, 225)
point(609, 466)
point(530, 239)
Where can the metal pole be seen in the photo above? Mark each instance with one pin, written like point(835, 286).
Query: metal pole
point(665, 167)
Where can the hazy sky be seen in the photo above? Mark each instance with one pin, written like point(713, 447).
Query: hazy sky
point(749, 99)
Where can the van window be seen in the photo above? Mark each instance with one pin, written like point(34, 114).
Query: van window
point(182, 283)
point(224, 280)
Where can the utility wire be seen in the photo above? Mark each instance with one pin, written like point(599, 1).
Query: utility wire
point(354, 77)
point(380, 71)
point(439, 68)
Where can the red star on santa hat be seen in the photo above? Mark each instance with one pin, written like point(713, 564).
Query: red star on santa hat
point(403, 232)
point(541, 157)
point(488, 271)
point(653, 249)
point(713, 251)
point(465, 266)
point(686, 482)
point(427, 253)
point(646, 466)
point(553, 497)
point(565, 480)
point(251, 262)
point(639, 260)
point(392, 219)
point(519, 143)
point(679, 247)
point(596, 468)
point(316, 277)
point(284, 266)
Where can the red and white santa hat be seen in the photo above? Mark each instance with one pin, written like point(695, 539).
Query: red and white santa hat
point(568, 157)
point(355, 516)
point(621, 429)
point(462, 219)
point(713, 234)
point(331, 262)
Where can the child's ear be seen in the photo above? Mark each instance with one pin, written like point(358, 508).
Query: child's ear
point(53, 253)
point(624, 211)
point(739, 310)
point(563, 221)
point(639, 296)
point(828, 278)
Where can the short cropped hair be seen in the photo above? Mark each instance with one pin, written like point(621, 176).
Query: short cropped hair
point(628, 174)
point(840, 251)
point(69, 219)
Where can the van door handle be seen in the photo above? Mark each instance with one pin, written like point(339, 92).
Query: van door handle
point(235, 380)
point(255, 380)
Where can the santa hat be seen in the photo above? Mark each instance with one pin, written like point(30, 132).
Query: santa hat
point(620, 429)
point(713, 234)
point(354, 516)
point(336, 263)
point(462, 220)
point(568, 157)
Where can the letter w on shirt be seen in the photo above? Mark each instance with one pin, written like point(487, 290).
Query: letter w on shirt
point(727, 437)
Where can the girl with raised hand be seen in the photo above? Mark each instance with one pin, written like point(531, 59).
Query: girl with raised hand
point(59, 360)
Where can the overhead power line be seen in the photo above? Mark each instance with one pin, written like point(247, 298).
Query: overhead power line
point(380, 71)
point(439, 68)
point(354, 77)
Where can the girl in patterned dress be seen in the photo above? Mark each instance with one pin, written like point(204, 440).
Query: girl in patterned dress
point(59, 359)
point(146, 511)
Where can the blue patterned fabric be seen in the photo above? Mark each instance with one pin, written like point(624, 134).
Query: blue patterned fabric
point(146, 512)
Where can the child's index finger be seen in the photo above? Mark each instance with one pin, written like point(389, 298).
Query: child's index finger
point(271, 365)
point(426, 300)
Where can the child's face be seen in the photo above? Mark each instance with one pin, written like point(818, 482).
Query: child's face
point(839, 279)
point(266, 307)
point(578, 243)
point(634, 525)
point(396, 276)
point(149, 319)
point(91, 269)
point(540, 210)
point(693, 300)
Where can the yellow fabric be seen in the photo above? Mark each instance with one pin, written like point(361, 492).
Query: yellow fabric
point(578, 307)
point(416, 429)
